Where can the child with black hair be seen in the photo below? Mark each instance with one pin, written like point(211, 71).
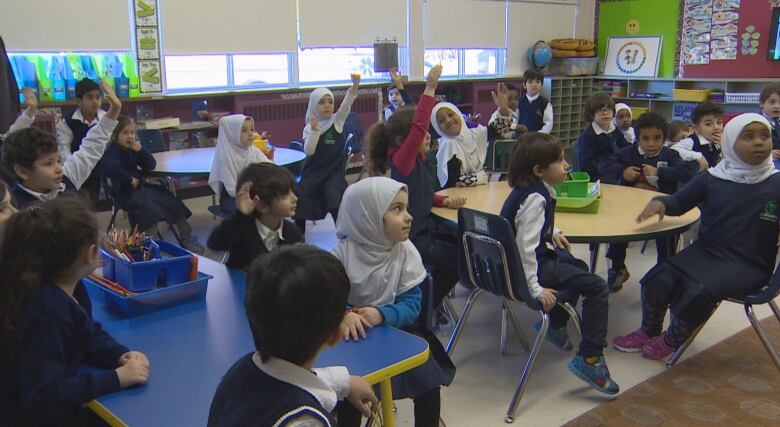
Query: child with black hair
point(513, 100)
point(33, 156)
point(678, 130)
point(396, 94)
point(599, 140)
point(769, 101)
point(124, 164)
point(708, 126)
point(401, 145)
point(264, 199)
point(552, 273)
point(736, 251)
point(651, 166)
point(295, 303)
point(386, 273)
point(47, 333)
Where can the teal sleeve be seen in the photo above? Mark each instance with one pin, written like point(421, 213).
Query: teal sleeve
point(404, 310)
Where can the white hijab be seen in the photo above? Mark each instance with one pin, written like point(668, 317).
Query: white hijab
point(629, 134)
point(323, 123)
point(470, 145)
point(230, 158)
point(732, 168)
point(378, 269)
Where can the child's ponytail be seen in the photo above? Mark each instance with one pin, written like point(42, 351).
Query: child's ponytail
point(382, 136)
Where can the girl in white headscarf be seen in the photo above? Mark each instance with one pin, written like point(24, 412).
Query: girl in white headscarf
point(385, 272)
point(233, 153)
point(737, 246)
point(323, 178)
point(623, 123)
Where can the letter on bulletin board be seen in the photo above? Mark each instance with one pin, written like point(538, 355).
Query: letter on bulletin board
point(633, 56)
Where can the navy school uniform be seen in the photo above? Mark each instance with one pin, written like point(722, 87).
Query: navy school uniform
point(710, 151)
point(323, 179)
point(79, 130)
point(592, 148)
point(775, 123)
point(146, 205)
point(558, 269)
point(24, 198)
point(531, 114)
point(44, 384)
point(238, 234)
point(621, 140)
point(672, 171)
point(735, 251)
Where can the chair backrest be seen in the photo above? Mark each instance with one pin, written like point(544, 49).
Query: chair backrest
point(353, 127)
point(488, 257)
point(152, 140)
point(768, 292)
point(575, 154)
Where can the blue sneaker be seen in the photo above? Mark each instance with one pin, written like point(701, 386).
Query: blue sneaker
point(557, 337)
point(597, 376)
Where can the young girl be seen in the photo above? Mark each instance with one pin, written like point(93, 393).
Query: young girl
point(233, 153)
point(396, 94)
point(599, 140)
point(124, 164)
point(552, 273)
point(46, 329)
point(462, 151)
point(401, 145)
point(623, 121)
point(385, 271)
point(323, 178)
point(737, 246)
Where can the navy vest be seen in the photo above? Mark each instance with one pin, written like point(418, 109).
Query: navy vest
point(775, 136)
point(24, 199)
point(422, 184)
point(247, 396)
point(710, 151)
point(517, 197)
point(79, 130)
point(531, 114)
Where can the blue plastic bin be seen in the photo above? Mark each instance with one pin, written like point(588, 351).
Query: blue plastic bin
point(140, 276)
point(150, 301)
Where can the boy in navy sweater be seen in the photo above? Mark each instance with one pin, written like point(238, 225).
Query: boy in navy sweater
point(531, 112)
point(599, 140)
point(769, 101)
point(708, 127)
point(295, 303)
point(648, 165)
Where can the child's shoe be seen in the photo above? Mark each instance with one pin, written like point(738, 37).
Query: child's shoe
point(657, 348)
point(558, 337)
point(616, 277)
point(596, 375)
point(631, 343)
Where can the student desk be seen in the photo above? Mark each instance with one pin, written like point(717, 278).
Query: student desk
point(191, 346)
point(197, 161)
point(614, 223)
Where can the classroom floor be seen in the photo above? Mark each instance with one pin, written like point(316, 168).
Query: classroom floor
point(486, 380)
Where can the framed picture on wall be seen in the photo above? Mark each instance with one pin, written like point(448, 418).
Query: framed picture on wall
point(633, 56)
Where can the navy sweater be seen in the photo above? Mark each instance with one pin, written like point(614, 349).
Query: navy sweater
point(122, 165)
point(592, 149)
point(672, 170)
point(531, 114)
point(238, 234)
point(23, 199)
point(43, 384)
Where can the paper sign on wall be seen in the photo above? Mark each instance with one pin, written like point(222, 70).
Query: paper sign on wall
point(147, 45)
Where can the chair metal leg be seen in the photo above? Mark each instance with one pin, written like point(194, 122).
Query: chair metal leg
point(762, 336)
point(462, 320)
point(574, 316)
point(111, 223)
point(675, 357)
point(594, 256)
point(644, 247)
point(504, 321)
point(225, 257)
point(520, 334)
point(529, 365)
point(450, 310)
point(775, 310)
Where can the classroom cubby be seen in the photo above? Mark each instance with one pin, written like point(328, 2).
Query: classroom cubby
point(567, 95)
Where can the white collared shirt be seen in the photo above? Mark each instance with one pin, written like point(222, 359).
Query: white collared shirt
point(547, 118)
point(685, 148)
point(65, 135)
point(270, 238)
point(22, 122)
point(44, 197)
point(599, 130)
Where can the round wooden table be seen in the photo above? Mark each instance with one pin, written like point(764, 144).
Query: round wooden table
point(614, 223)
point(197, 161)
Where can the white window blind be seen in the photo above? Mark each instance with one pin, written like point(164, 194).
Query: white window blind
point(465, 24)
point(237, 26)
point(530, 22)
point(73, 25)
point(351, 23)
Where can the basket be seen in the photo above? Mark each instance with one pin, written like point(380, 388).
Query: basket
point(692, 95)
point(577, 186)
point(742, 98)
point(585, 205)
point(142, 276)
point(638, 111)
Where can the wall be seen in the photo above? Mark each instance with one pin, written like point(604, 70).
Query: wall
point(655, 17)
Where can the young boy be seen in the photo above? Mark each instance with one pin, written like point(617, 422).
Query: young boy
point(552, 273)
point(396, 94)
point(769, 101)
point(708, 127)
point(532, 112)
point(648, 165)
point(33, 156)
point(513, 101)
point(599, 140)
point(295, 302)
point(265, 197)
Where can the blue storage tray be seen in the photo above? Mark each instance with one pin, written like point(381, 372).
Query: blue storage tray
point(150, 301)
point(146, 275)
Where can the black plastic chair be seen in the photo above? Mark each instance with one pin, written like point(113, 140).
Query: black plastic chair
point(489, 261)
point(765, 296)
point(111, 193)
point(152, 140)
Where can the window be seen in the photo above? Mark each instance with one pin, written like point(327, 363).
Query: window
point(251, 70)
point(196, 71)
point(465, 62)
point(334, 64)
point(448, 58)
point(480, 61)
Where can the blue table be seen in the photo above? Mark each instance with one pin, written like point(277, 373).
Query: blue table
point(191, 346)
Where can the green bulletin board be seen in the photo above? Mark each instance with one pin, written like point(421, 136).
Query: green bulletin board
point(641, 18)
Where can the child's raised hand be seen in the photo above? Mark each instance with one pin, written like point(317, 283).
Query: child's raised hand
point(631, 173)
point(560, 241)
point(355, 79)
point(547, 298)
point(135, 145)
point(113, 100)
point(649, 170)
point(131, 373)
point(655, 207)
point(354, 325)
point(133, 355)
point(372, 315)
point(30, 101)
point(314, 124)
point(395, 77)
point(134, 182)
point(455, 202)
point(244, 202)
point(501, 98)
point(775, 154)
point(361, 395)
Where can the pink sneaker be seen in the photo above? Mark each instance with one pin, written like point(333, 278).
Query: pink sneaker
point(631, 343)
point(657, 348)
